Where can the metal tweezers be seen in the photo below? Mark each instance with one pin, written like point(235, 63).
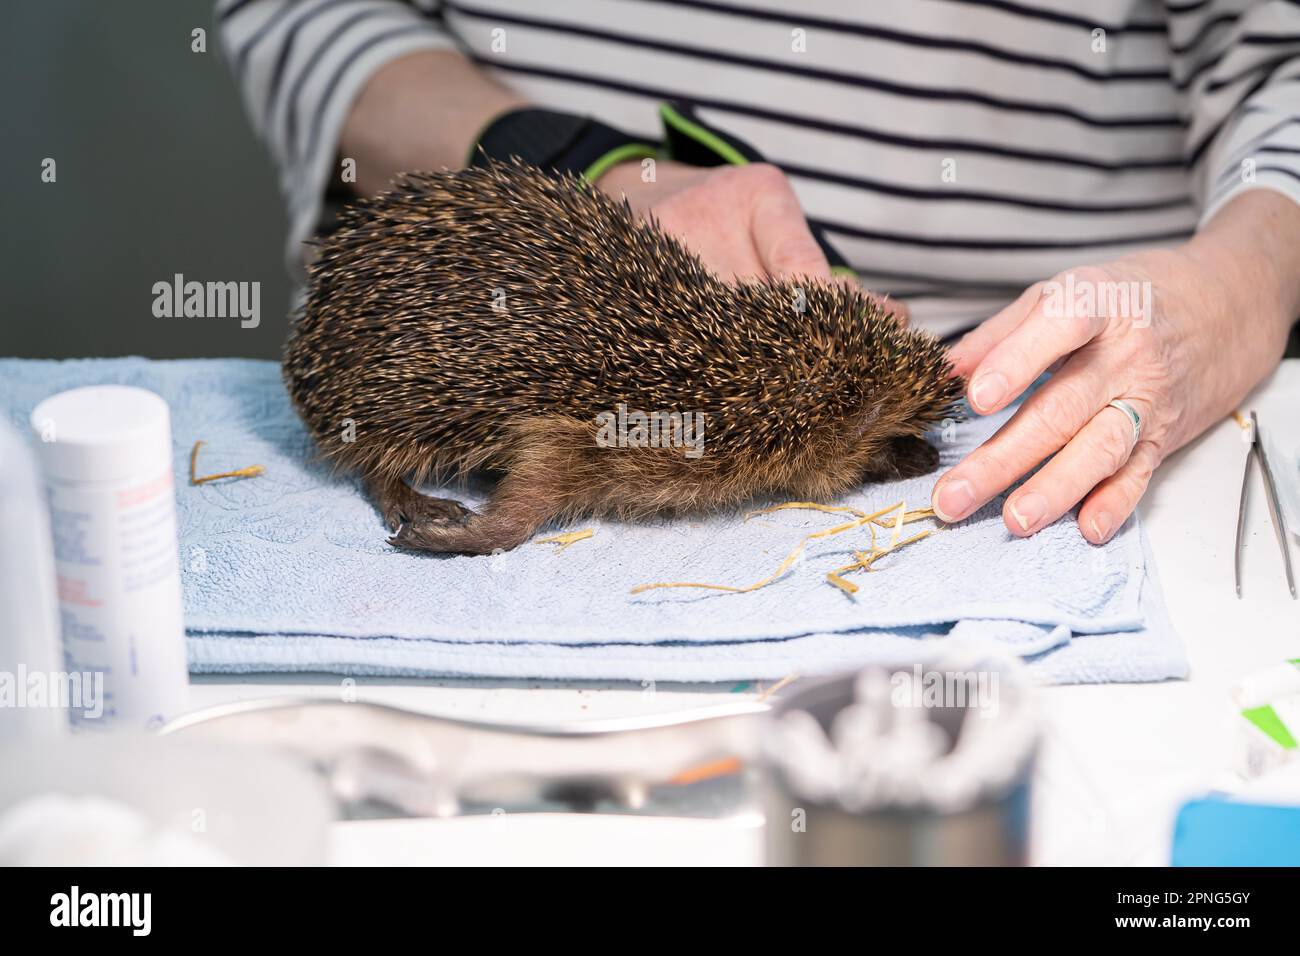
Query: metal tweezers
point(1274, 510)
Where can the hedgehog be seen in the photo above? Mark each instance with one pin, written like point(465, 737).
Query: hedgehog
point(496, 320)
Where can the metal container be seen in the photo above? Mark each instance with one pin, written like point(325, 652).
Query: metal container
point(991, 831)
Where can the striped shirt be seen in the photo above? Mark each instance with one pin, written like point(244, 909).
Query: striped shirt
point(955, 151)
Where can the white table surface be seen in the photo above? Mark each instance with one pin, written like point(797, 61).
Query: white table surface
point(1118, 758)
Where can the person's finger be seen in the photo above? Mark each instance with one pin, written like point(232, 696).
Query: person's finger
point(975, 344)
point(1112, 501)
point(1099, 450)
point(785, 244)
point(1031, 348)
point(1046, 423)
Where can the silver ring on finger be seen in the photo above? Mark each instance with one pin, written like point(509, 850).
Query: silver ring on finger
point(1132, 414)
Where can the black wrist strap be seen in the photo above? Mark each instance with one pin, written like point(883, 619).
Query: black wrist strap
point(558, 141)
point(688, 139)
point(579, 144)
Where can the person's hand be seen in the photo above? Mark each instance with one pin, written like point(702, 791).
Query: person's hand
point(744, 222)
point(1216, 316)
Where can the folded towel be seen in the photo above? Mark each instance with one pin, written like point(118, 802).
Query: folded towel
point(291, 571)
point(1150, 653)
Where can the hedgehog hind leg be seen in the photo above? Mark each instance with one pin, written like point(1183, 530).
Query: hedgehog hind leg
point(496, 529)
point(404, 507)
point(550, 471)
point(517, 509)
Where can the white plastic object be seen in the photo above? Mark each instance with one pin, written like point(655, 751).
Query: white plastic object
point(30, 655)
point(106, 454)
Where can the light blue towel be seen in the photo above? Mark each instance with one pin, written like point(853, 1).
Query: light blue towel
point(290, 571)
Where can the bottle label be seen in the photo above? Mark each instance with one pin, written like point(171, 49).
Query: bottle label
point(120, 598)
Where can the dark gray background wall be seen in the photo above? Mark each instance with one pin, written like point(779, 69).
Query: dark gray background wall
point(158, 173)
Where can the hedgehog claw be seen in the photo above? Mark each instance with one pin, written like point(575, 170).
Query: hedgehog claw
point(447, 537)
point(400, 505)
point(427, 524)
point(484, 533)
point(424, 510)
point(426, 534)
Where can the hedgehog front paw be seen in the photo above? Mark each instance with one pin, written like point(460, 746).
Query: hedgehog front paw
point(904, 456)
point(913, 457)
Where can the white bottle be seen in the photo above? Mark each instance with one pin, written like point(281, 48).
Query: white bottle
point(106, 452)
point(30, 656)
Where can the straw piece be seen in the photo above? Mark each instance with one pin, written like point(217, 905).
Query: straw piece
point(848, 587)
point(865, 561)
point(783, 682)
point(916, 537)
point(252, 471)
point(806, 506)
point(1241, 420)
point(785, 565)
point(911, 516)
point(899, 512)
point(898, 527)
point(566, 539)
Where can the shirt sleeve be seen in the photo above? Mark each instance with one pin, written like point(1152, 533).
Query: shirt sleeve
point(299, 66)
point(1238, 63)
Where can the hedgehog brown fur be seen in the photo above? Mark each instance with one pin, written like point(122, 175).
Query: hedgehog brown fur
point(484, 318)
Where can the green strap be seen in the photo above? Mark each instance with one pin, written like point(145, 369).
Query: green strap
point(698, 133)
point(673, 119)
point(615, 156)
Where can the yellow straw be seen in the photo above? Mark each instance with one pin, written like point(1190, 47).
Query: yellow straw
point(870, 521)
point(252, 471)
point(566, 539)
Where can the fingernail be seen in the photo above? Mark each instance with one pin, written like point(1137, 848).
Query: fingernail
point(1028, 510)
point(1102, 523)
point(954, 499)
point(987, 390)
